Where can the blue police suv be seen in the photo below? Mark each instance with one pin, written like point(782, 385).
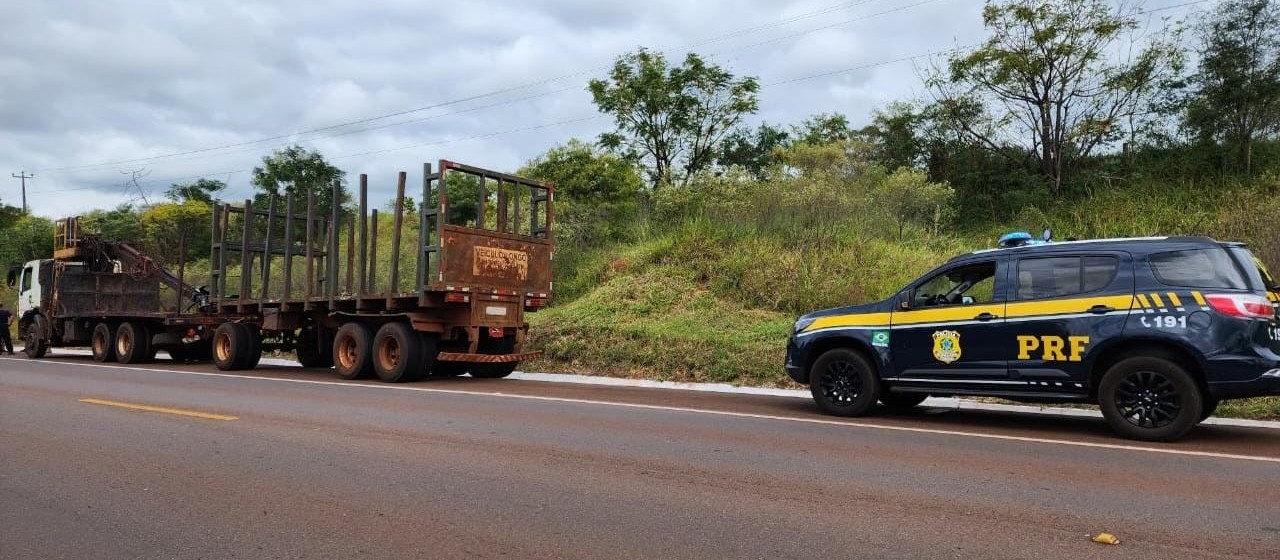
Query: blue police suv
point(1156, 331)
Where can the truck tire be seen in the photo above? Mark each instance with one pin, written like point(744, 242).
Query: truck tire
point(315, 347)
point(103, 343)
point(133, 343)
point(843, 383)
point(236, 346)
point(353, 351)
point(495, 370)
point(398, 353)
point(255, 346)
point(35, 344)
point(1150, 399)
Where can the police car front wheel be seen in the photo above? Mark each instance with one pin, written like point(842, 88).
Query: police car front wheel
point(1150, 398)
point(843, 383)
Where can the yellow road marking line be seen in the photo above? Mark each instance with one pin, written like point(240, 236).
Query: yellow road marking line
point(148, 408)
point(725, 413)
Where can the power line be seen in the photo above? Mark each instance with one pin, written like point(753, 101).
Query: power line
point(719, 38)
point(556, 123)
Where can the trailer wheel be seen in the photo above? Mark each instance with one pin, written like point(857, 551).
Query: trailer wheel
point(315, 347)
point(103, 343)
point(236, 346)
point(352, 351)
point(505, 345)
point(255, 346)
point(398, 353)
point(133, 343)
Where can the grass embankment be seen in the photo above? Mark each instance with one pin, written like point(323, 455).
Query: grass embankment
point(712, 300)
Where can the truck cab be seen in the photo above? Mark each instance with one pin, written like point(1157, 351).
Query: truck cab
point(27, 280)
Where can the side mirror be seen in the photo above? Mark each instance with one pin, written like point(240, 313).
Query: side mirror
point(1046, 235)
point(904, 300)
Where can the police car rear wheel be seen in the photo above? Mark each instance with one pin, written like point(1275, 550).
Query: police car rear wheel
point(1150, 398)
point(843, 383)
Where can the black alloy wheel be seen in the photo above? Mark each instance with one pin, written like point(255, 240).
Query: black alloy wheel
point(843, 383)
point(1150, 398)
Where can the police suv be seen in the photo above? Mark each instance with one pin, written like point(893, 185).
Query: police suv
point(1157, 331)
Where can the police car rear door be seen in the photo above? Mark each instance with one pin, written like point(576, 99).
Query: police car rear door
point(1061, 306)
point(944, 332)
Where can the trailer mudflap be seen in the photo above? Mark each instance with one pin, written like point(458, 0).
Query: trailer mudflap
point(486, 358)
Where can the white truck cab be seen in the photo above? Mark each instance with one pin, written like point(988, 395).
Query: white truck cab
point(27, 281)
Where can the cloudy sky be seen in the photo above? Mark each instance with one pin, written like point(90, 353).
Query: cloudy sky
point(92, 90)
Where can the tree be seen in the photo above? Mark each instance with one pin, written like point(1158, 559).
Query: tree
point(823, 128)
point(895, 131)
point(8, 215)
point(168, 226)
point(1046, 82)
point(595, 192)
point(753, 150)
point(122, 223)
point(671, 120)
point(201, 190)
point(1236, 92)
point(27, 238)
point(907, 197)
point(299, 172)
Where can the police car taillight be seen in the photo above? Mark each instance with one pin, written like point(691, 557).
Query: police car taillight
point(1249, 306)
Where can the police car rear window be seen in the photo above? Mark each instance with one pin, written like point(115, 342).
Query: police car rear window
point(1198, 268)
point(1050, 277)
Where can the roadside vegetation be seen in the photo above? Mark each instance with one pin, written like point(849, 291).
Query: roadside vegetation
point(688, 239)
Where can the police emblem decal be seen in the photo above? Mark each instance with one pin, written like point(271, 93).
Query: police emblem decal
point(946, 346)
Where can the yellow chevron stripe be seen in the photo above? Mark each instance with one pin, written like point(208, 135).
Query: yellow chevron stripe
point(1173, 298)
point(1200, 299)
point(1142, 301)
point(1155, 298)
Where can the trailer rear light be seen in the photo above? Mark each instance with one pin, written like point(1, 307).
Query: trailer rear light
point(454, 297)
point(496, 332)
point(1248, 306)
point(535, 303)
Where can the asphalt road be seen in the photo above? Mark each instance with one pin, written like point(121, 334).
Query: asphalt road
point(313, 467)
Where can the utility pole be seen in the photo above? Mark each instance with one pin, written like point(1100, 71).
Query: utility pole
point(24, 176)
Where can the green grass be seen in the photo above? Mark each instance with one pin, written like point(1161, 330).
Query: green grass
point(710, 295)
point(661, 324)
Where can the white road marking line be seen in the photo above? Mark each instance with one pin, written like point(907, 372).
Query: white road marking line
point(1025, 439)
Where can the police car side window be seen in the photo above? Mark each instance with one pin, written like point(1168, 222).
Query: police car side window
point(966, 285)
point(1050, 277)
point(1198, 268)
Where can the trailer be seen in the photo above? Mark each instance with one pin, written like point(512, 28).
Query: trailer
point(284, 278)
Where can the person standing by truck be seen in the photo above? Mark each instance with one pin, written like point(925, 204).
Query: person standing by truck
point(6, 319)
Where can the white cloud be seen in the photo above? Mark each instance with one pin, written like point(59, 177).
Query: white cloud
point(83, 82)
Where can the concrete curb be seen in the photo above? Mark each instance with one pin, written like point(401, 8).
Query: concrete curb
point(933, 402)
